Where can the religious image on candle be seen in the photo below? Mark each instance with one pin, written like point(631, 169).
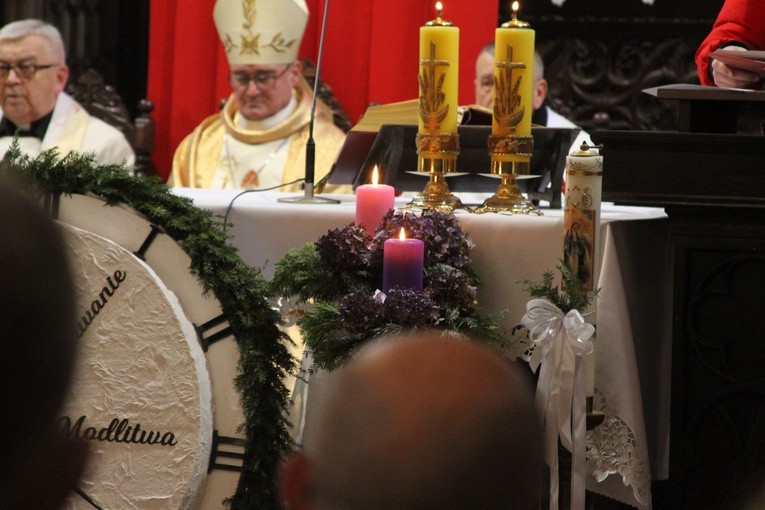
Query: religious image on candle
point(579, 245)
point(373, 201)
point(403, 263)
point(581, 216)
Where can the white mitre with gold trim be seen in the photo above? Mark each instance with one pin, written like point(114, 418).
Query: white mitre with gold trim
point(257, 32)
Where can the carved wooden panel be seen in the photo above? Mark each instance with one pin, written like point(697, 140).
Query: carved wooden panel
point(599, 55)
point(598, 83)
point(14, 10)
point(81, 25)
point(717, 250)
point(718, 401)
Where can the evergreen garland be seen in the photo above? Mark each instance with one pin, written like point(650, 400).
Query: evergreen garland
point(574, 297)
point(242, 293)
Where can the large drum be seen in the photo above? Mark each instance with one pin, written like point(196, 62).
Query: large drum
point(153, 392)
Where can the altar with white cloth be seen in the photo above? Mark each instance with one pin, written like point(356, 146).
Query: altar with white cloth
point(633, 309)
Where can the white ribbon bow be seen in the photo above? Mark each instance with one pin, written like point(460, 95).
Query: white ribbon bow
point(561, 342)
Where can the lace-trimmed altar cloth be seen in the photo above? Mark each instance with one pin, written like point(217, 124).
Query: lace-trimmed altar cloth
point(617, 467)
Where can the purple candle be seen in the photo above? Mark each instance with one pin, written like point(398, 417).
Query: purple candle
point(373, 201)
point(403, 261)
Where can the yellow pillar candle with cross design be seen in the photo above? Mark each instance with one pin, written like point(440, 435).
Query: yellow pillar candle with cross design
point(513, 80)
point(439, 75)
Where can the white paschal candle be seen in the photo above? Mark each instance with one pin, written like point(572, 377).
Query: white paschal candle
point(584, 176)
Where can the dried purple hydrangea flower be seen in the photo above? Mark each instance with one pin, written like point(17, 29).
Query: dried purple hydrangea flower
point(360, 312)
point(346, 247)
point(409, 308)
point(445, 242)
point(452, 288)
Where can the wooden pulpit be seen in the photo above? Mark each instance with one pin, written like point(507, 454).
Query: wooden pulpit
point(711, 181)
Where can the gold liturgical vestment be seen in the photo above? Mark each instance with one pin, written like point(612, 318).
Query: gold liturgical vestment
point(198, 155)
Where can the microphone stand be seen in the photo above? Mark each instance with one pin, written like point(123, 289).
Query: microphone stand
point(310, 149)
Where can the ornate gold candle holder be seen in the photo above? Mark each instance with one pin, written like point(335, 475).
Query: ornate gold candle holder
point(437, 156)
point(505, 151)
point(437, 140)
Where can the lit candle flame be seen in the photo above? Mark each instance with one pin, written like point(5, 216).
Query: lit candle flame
point(375, 176)
point(402, 234)
point(515, 9)
point(439, 9)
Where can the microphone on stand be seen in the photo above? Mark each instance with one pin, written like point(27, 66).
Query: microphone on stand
point(310, 149)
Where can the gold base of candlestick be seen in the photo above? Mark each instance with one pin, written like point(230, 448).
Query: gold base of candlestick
point(505, 151)
point(436, 195)
point(508, 198)
point(437, 156)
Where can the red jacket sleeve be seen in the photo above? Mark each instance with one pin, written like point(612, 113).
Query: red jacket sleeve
point(739, 21)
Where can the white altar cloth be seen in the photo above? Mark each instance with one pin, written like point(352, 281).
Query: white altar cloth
point(633, 314)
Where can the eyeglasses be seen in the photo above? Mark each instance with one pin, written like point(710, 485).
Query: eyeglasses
point(263, 79)
point(23, 71)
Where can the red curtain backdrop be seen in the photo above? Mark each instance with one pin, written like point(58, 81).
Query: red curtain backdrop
point(370, 56)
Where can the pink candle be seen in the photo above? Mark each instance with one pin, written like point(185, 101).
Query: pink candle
point(373, 201)
point(403, 261)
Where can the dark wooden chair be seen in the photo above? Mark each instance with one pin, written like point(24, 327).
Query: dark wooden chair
point(104, 102)
point(324, 92)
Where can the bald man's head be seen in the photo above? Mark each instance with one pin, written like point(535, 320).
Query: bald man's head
point(484, 79)
point(424, 422)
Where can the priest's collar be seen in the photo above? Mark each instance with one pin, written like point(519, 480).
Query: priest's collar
point(269, 122)
point(297, 118)
point(37, 129)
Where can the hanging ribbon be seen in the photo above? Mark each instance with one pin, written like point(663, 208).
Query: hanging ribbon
point(560, 344)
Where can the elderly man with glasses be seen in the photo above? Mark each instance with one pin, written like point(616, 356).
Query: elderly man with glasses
point(35, 108)
point(258, 140)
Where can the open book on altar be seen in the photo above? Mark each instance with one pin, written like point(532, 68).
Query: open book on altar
point(385, 136)
point(753, 61)
point(402, 112)
point(406, 112)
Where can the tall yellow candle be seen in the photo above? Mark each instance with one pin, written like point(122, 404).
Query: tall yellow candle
point(513, 80)
point(439, 75)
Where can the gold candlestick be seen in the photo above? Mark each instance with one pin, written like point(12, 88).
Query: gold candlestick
point(511, 142)
point(437, 156)
point(437, 138)
point(508, 197)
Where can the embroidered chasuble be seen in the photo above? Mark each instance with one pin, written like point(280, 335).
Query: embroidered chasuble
point(225, 152)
